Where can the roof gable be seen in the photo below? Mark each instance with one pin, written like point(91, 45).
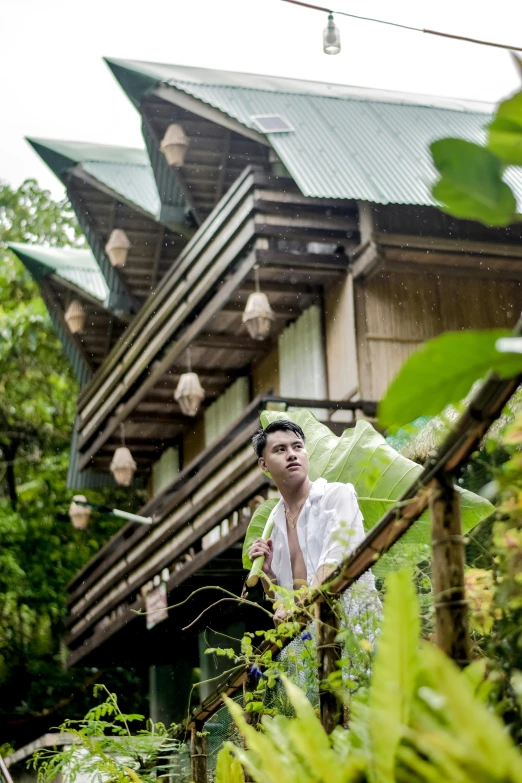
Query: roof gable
point(75, 265)
point(347, 142)
point(123, 170)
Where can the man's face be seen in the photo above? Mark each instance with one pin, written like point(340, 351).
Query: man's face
point(285, 458)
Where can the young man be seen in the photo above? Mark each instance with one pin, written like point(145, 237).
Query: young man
point(316, 523)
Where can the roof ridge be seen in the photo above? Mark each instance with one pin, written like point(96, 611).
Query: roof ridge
point(400, 98)
point(166, 73)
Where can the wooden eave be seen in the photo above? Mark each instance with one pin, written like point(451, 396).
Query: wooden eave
point(218, 151)
point(153, 246)
point(103, 328)
point(261, 221)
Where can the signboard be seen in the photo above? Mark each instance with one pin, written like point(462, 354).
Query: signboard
point(156, 605)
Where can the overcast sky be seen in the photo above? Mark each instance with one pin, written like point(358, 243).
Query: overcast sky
point(55, 84)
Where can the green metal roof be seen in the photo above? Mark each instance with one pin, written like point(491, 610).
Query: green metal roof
point(125, 171)
point(347, 142)
point(77, 266)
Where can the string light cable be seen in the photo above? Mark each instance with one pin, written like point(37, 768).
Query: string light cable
point(439, 33)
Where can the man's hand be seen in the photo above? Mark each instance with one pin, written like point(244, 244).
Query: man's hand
point(280, 615)
point(261, 548)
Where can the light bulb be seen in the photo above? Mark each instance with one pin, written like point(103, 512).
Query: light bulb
point(331, 37)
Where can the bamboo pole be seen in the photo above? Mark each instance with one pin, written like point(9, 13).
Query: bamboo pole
point(328, 654)
point(4, 772)
point(451, 607)
point(198, 752)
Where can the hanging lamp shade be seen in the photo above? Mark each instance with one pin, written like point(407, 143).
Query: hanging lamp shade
point(79, 514)
point(189, 393)
point(75, 317)
point(123, 466)
point(331, 37)
point(117, 248)
point(174, 145)
point(258, 316)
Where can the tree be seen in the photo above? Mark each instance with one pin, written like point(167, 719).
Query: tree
point(40, 551)
point(35, 378)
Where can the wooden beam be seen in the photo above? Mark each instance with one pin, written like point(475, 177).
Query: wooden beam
point(304, 261)
point(369, 261)
point(480, 264)
point(198, 753)
point(409, 241)
point(231, 342)
point(328, 657)
point(294, 289)
point(447, 566)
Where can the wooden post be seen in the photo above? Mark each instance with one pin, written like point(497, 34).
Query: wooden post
point(198, 753)
point(328, 653)
point(451, 607)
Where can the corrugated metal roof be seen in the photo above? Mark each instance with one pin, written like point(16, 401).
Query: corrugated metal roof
point(348, 142)
point(77, 266)
point(125, 171)
point(135, 182)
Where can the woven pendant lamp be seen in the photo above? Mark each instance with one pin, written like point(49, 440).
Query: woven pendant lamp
point(189, 392)
point(79, 514)
point(123, 466)
point(174, 145)
point(117, 248)
point(258, 316)
point(75, 317)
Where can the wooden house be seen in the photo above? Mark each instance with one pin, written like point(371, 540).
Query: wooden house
point(318, 195)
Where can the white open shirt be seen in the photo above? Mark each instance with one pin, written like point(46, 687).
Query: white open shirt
point(331, 512)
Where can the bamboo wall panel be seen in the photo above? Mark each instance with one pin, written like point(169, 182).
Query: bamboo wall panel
point(396, 312)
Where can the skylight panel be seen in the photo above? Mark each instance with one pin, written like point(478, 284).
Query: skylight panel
point(271, 123)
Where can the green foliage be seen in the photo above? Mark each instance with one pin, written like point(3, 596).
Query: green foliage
point(421, 721)
point(103, 748)
point(228, 769)
point(448, 365)
point(505, 132)
point(379, 474)
point(39, 551)
point(394, 674)
point(471, 184)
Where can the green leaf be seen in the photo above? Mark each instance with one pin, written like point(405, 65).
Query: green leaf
point(394, 673)
point(442, 372)
point(471, 185)
point(505, 132)
point(470, 733)
point(379, 474)
point(228, 769)
point(256, 527)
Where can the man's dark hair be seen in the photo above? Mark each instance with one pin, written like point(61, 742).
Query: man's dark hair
point(284, 425)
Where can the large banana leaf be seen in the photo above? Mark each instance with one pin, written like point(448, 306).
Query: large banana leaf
point(379, 474)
